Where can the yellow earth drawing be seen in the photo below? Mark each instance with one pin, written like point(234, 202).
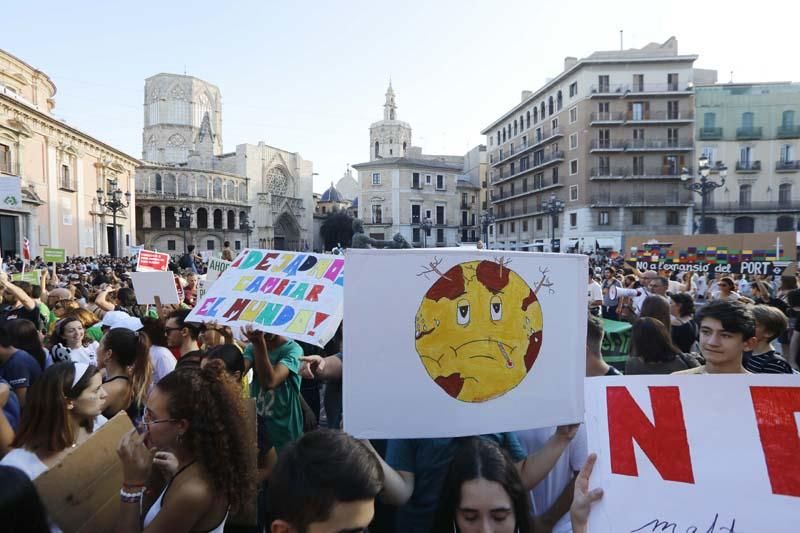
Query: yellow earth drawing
point(478, 330)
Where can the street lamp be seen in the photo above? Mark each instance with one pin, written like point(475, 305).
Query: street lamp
point(704, 186)
point(487, 219)
point(247, 226)
point(185, 220)
point(426, 226)
point(115, 204)
point(553, 207)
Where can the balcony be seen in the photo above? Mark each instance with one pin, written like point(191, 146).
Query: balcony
point(787, 166)
point(709, 134)
point(466, 205)
point(753, 207)
point(608, 145)
point(548, 159)
point(639, 200)
point(658, 145)
point(749, 133)
point(185, 196)
point(496, 198)
point(657, 88)
point(607, 89)
point(607, 118)
point(650, 173)
point(748, 166)
point(659, 116)
point(380, 221)
point(788, 132)
point(547, 136)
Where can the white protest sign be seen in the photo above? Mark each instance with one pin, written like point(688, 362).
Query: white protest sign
point(297, 295)
point(468, 341)
point(215, 268)
point(695, 454)
point(148, 285)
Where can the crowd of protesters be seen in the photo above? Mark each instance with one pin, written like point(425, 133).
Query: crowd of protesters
point(76, 349)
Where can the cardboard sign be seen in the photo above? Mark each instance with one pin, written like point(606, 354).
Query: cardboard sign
point(148, 285)
point(33, 277)
point(152, 261)
point(81, 493)
point(710, 453)
point(465, 338)
point(215, 268)
point(297, 295)
point(54, 255)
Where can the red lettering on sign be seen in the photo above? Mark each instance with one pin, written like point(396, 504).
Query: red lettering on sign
point(775, 409)
point(664, 442)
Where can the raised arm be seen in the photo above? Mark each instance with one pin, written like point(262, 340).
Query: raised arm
point(23, 298)
point(536, 466)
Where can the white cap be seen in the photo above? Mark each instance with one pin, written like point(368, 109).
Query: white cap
point(129, 322)
point(114, 319)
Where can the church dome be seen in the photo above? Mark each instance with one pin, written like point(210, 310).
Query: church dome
point(331, 195)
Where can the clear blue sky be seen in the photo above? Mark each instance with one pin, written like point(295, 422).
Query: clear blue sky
point(310, 77)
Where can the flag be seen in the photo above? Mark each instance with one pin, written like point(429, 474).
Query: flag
point(26, 249)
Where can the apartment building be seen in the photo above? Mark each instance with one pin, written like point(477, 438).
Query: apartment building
point(432, 200)
point(752, 130)
point(609, 137)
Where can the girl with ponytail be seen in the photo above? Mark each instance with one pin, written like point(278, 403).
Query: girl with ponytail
point(194, 414)
point(125, 355)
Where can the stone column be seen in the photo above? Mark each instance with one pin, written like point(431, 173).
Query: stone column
point(146, 217)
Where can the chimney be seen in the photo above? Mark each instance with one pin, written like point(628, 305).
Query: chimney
point(569, 62)
point(526, 95)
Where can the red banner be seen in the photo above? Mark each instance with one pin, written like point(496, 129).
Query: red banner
point(152, 261)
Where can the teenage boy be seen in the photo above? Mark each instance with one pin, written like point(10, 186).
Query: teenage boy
point(325, 481)
point(770, 324)
point(727, 331)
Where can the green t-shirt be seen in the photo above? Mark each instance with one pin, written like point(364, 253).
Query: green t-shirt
point(45, 312)
point(95, 332)
point(280, 408)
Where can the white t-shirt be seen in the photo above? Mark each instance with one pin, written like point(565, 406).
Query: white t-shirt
point(547, 491)
point(26, 461)
point(595, 292)
point(163, 362)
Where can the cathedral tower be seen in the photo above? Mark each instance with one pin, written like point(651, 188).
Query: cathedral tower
point(389, 137)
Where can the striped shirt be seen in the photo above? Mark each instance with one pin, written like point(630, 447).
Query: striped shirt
point(766, 363)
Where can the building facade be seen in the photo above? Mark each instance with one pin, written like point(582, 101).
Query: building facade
point(57, 171)
point(753, 130)
point(429, 199)
point(257, 194)
point(609, 137)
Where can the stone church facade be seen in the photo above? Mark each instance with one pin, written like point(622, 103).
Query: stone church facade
point(257, 195)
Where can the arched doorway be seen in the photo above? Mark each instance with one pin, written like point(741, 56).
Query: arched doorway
point(287, 233)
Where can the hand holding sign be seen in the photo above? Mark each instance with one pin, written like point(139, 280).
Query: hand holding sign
point(583, 498)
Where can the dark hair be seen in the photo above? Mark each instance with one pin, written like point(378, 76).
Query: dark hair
point(23, 335)
point(478, 458)
point(190, 248)
point(36, 291)
point(652, 341)
point(728, 281)
point(226, 243)
point(793, 298)
point(735, 317)
point(664, 281)
point(20, 506)
point(154, 328)
point(594, 332)
point(45, 419)
point(58, 332)
point(320, 469)
point(230, 355)
point(130, 349)
point(126, 298)
point(788, 283)
point(25, 286)
point(684, 302)
point(211, 401)
point(657, 306)
point(180, 317)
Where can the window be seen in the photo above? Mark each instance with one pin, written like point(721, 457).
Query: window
point(525, 226)
point(539, 223)
point(638, 83)
point(672, 218)
point(602, 109)
point(428, 177)
point(745, 156)
point(415, 181)
point(377, 214)
point(5, 159)
point(500, 228)
point(710, 154)
point(573, 167)
point(535, 114)
point(672, 165)
point(573, 193)
point(603, 84)
point(673, 112)
point(550, 106)
point(744, 195)
point(573, 219)
point(604, 138)
point(672, 137)
point(637, 111)
point(515, 127)
point(554, 125)
point(787, 119)
point(559, 101)
point(743, 225)
point(528, 119)
point(538, 181)
point(376, 148)
point(638, 166)
point(376, 178)
point(573, 141)
point(709, 120)
point(513, 227)
point(787, 153)
point(65, 178)
point(440, 182)
point(573, 89)
point(512, 169)
point(209, 244)
point(604, 166)
point(555, 222)
point(498, 137)
point(415, 210)
point(440, 215)
point(785, 223)
point(415, 235)
point(603, 218)
point(524, 141)
point(237, 245)
point(573, 115)
point(512, 190)
point(637, 217)
point(672, 81)
point(555, 175)
point(747, 120)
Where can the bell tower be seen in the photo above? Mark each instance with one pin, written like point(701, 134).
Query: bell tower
point(389, 137)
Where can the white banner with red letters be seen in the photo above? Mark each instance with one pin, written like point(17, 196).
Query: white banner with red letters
point(695, 454)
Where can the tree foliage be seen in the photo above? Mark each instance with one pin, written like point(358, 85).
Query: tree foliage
point(337, 230)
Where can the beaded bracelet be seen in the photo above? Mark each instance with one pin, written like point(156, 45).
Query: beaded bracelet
point(130, 497)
